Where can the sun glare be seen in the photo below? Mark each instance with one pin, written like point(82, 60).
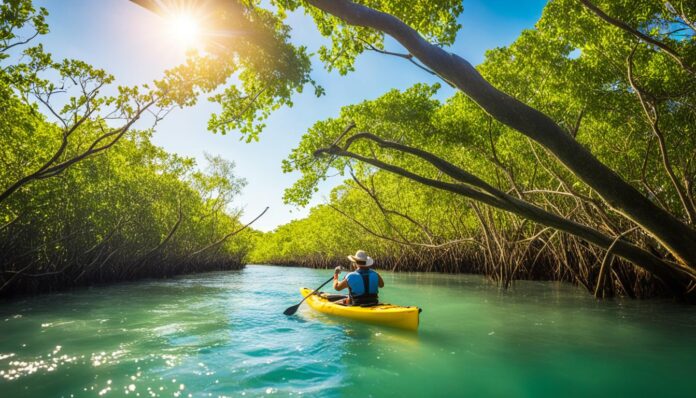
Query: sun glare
point(186, 30)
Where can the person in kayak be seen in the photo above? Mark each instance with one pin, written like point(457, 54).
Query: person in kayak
point(363, 283)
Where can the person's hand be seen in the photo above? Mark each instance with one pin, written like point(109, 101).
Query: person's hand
point(337, 270)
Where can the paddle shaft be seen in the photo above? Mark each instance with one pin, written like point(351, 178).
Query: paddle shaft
point(316, 290)
point(293, 309)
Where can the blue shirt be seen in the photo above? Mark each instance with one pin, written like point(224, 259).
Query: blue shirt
point(356, 284)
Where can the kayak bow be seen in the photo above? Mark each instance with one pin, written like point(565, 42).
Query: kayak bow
point(383, 314)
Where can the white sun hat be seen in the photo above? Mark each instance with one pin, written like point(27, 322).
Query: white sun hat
point(362, 257)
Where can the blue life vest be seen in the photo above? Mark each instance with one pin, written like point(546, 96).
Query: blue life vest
point(363, 286)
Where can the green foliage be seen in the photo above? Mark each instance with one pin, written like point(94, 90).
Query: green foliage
point(261, 70)
point(435, 20)
point(396, 115)
point(125, 202)
point(631, 103)
point(573, 67)
point(86, 199)
point(16, 16)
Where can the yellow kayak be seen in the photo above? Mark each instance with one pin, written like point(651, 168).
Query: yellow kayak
point(383, 314)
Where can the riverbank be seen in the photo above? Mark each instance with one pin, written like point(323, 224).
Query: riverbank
point(224, 334)
point(138, 212)
point(111, 273)
point(500, 246)
point(465, 262)
point(627, 281)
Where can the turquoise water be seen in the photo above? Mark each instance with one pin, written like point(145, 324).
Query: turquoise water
point(223, 334)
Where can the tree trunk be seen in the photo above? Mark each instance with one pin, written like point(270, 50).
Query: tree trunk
point(675, 277)
point(678, 237)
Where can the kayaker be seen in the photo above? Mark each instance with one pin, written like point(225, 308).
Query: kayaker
point(363, 283)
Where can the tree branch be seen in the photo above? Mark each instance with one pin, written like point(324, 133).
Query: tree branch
point(634, 32)
point(653, 121)
point(671, 274)
point(233, 233)
point(678, 237)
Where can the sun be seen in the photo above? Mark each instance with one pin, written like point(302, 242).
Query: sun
point(186, 29)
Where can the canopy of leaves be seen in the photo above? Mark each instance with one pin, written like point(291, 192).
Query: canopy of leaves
point(84, 198)
point(575, 67)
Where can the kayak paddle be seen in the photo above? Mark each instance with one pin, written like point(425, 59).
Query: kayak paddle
point(292, 310)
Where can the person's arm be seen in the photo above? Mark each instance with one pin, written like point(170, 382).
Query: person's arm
point(339, 285)
point(381, 281)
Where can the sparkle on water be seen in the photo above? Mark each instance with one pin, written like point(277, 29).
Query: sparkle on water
point(223, 334)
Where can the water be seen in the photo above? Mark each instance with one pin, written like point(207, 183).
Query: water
point(223, 334)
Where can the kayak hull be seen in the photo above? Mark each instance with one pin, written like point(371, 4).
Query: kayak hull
point(384, 314)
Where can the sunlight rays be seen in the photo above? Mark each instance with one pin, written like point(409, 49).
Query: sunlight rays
point(186, 29)
point(186, 21)
point(202, 25)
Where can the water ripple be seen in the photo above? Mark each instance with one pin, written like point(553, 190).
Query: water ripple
point(223, 334)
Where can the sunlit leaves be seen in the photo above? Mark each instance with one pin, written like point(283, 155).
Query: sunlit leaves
point(113, 209)
point(435, 20)
point(402, 116)
point(573, 67)
point(21, 22)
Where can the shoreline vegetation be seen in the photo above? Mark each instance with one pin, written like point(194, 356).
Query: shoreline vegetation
point(136, 212)
point(85, 197)
point(568, 155)
point(501, 255)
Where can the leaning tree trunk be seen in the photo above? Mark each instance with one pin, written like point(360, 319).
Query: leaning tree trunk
point(678, 279)
point(675, 235)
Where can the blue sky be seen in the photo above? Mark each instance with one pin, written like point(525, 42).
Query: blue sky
point(136, 46)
